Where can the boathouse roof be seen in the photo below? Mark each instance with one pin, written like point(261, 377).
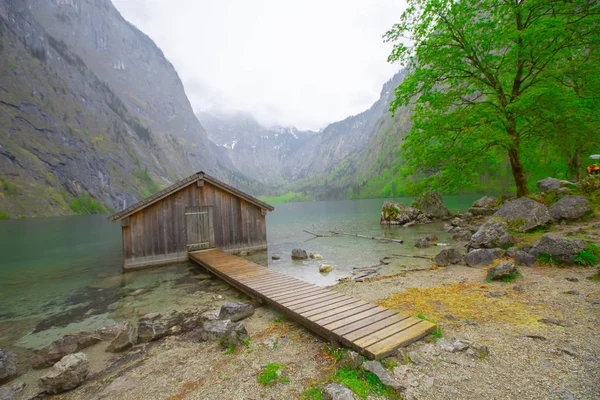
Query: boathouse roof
point(199, 176)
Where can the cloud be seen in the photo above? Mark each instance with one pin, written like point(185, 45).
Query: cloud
point(303, 63)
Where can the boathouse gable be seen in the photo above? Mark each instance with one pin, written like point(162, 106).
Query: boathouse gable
point(196, 213)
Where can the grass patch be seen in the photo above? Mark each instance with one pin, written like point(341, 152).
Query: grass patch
point(588, 257)
point(271, 374)
point(4, 215)
point(230, 349)
point(336, 355)
point(291, 197)
point(85, 205)
point(363, 383)
point(466, 300)
point(595, 277)
point(312, 394)
point(280, 319)
point(437, 333)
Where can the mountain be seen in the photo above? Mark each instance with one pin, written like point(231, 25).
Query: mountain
point(339, 161)
point(91, 112)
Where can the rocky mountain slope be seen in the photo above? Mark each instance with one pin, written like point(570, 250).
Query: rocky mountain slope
point(90, 108)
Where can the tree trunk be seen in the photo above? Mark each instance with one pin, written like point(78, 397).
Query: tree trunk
point(576, 162)
point(518, 172)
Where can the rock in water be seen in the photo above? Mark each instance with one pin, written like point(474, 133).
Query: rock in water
point(315, 256)
point(549, 184)
point(524, 214)
point(481, 257)
point(299, 254)
point(275, 257)
point(431, 204)
point(501, 271)
point(448, 256)
point(377, 369)
point(235, 311)
point(485, 202)
point(493, 234)
point(561, 249)
point(337, 391)
point(397, 213)
point(66, 374)
point(325, 268)
point(570, 207)
point(8, 365)
point(126, 338)
point(422, 243)
point(68, 344)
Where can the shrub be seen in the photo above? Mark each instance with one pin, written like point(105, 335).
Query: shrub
point(588, 257)
point(4, 215)
point(85, 205)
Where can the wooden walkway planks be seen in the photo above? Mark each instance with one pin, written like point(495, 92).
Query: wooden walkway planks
point(371, 330)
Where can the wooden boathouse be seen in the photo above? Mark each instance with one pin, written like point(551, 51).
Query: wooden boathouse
point(198, 212)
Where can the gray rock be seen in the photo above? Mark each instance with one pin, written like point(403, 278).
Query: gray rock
point(524, 214)
point(110, 331)
point(225, 331)
point(549, 184)
point(422, 243)
point(126, 338)
point(561, 249)
point(423, 219)
point(275, 257)
point(501, 271)
point(523, 258)
point(70, 372)
point(18, 387)
point(236, 335)
point(235, 311)
point(6, 393)
point(456, 222)
point(350, 359)
point(494, 233)
point(485, 202)
point(554, 321)
point(481, 257)
point(482, 211)
point(432, 238)
point(8, 365)
point(448, 256)
point(570, 207)
point(337, 391)
point(299, 254)
point(315, 256)
point(572, 279)
point(468, 215)
point(409, 224)
point(68, 344)
point(512, 252)
point(462, 235)
point(573, 292)
point(397, 213)
point(499, 293)
point(385, 377)
point(152, 327)
point(459, 345)
point(325, 268)
point(431, 204)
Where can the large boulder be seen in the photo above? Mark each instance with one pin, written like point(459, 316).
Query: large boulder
point(493, 234)
point(8, 365)
point(299, 254)
point(393, 213)
point(431, 204)
point(523, 258)
point(226, 332)
point(235, 311)
point(462, 235)
point(448, 256)
point(70, 372)
point(560, 249)
point(524, 214)
point(126, 338)
point(549, 184)
point(152, 326)
point(570, 207)
point(68, 344)
point(485, 202)
point(501, 271)
point(482, 211)
point(109, 332)
point(481, 257)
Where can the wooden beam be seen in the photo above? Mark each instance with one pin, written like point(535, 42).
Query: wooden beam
point(200, 182)
point(125, 222)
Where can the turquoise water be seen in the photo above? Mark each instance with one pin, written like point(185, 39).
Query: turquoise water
point(59, 275)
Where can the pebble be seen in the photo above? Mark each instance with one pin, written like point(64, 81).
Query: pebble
point(574, 292)
point(572, 279)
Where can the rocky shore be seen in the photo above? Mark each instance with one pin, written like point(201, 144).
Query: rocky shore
point(516, 297)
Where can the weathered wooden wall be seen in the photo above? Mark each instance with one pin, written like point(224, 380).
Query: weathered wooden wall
point(156, 235)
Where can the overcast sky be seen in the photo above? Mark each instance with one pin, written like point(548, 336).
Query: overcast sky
point(303, 63)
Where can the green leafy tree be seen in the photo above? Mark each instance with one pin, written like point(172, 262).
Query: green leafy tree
point(479, 69)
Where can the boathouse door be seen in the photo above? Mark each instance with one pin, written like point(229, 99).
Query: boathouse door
point(199, 230)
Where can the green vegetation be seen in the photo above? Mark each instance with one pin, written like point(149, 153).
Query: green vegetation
point(9, 188)
point(271, 374)
point(437, 333)
point(230, 349)
point(150, 186)
point(85, 205)
point(4, 215)
point(496, 81)
point(363, 383)
point(508, 278)
point(290, 197)
point(588, 257)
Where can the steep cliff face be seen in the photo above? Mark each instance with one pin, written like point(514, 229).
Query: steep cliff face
point(90, 107)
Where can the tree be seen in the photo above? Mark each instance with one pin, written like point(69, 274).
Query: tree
point(478, 70)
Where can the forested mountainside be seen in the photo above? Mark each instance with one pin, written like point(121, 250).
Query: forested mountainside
point(348, 158)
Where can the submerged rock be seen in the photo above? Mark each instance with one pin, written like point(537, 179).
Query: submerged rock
point(501, 271)
point(481, 257)
point(570, 207)
point(68, 344)
point(299, 254)
point(236, 311)
point(448, 256)
point(8, 365)
point(70, 372)
point(431, 205)
point(325, 268)
point(493, 234)
point(524, 214)
point(315, 256)
point(559, 248)
point(422, 242)
point(126, 338)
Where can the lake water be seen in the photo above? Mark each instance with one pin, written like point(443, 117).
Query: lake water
point(60, 275)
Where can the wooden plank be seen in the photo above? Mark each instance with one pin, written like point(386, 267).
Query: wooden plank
point(289, 294)
point(330, 318)
point(271, 282)
point(353, 318)
point(326, 306)
point(403, 338)
point(368, 326)
point(388, 331)
point(336, 311)
point(281, 286)
point(295, 303)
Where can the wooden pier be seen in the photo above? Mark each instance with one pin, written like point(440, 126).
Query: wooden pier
point(367, 328)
